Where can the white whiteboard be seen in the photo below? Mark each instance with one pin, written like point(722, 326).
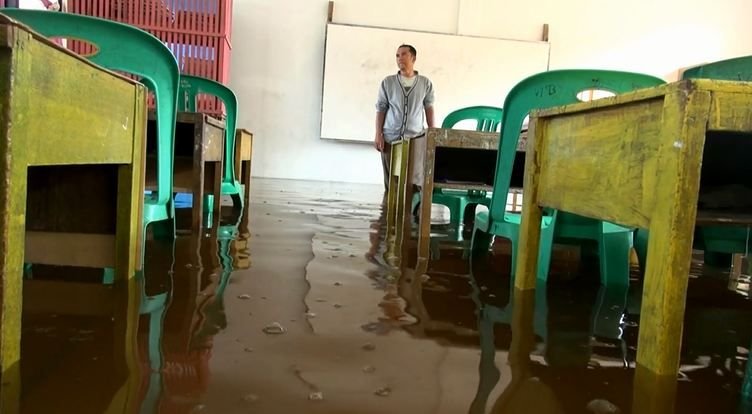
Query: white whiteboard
point(465, 71)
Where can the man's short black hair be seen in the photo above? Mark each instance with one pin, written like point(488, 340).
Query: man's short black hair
point(411, 48)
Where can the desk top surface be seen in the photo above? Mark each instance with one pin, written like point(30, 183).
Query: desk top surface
point(682, 86)
point(461, 138)
point(636, 156)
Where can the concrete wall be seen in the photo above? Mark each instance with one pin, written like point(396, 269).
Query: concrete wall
point(278, 53)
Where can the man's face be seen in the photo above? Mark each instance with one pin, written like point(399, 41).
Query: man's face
point(405, 59)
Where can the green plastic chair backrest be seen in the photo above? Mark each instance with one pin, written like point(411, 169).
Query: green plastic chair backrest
point(190, 88)
point(544, 90)
point(128, 49)
point(736, 69)
point(488, 117)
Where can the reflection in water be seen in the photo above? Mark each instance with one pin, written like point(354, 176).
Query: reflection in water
point(146, 353)
point(361, 336)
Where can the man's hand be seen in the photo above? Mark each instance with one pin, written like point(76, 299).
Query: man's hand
point(378, 142)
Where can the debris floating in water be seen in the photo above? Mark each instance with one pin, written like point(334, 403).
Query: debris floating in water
point(602, 407)
point(383, 392)
point(274, 328)
point(244, 296)
point(316, 396)
point(369, 369)
point(369, 347)
point(250, 398)
point(310, 315)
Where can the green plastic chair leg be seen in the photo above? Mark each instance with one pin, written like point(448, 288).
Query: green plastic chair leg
point(165, 229)
point(613, 253)
point(480, 243)
point(610, 305)
point(108, 276)
point(457, 210)
point(545, 250)
point(208, 213)
point(515, 250)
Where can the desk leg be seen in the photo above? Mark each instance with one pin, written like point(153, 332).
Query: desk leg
point(129, 231)
point(530, 228)
point(12, 231)
point(217, 191)
point(197, 208)
point(424, 220)
point(126, 346)
point(391, 202)
point(402, 209)
point(245, 180)
point(670, 246)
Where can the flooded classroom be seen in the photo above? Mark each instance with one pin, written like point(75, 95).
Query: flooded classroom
point(427, 207)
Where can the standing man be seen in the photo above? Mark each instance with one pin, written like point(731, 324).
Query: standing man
point(404, 105)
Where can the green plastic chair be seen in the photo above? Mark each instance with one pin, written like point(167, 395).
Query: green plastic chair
point(545, 90)
point(128, 49)
point(190, 87)
point(488, 119)
point(717, 242)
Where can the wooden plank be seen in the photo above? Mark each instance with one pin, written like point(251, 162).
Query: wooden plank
point(532, 213)
point(198, 174)
point(12, 222)
point(243, 156)
point(245, 140)
point(459, 138)
point(395, 155)
point(213, 141)
point(729, 111)
point(723, 218)
point(194, 118)
point(83, 250)
point(80, 133)
point(671, 229)
point(129, 229)
point(598, 151)
point(465, 186)
point(182, 175)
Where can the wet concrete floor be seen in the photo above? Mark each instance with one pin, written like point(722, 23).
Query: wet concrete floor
point(297, 312)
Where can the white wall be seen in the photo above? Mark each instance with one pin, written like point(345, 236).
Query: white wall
point(278, 54)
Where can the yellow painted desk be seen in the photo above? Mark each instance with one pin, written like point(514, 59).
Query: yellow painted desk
point(400, 194)
point(197, 168)
point(634, 159)
point(455, 139)
point(71, 173)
